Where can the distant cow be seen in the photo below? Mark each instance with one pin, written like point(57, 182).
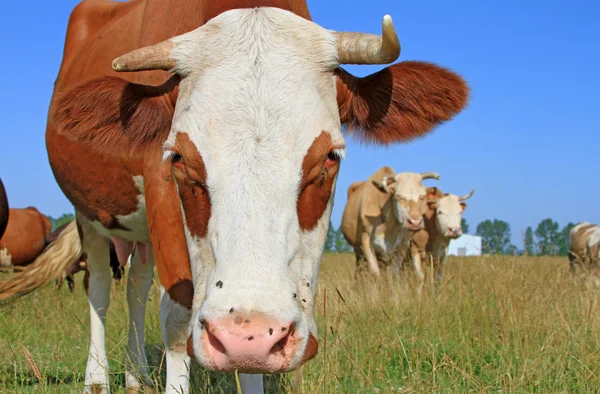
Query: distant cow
point(25, 236)
point(3, 209)
point(380, 215)
point(442, 224)
point(584, 246)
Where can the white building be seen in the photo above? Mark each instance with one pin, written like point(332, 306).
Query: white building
point(465, 245)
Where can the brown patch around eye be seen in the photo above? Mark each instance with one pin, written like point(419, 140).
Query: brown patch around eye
point(319, 169)
point(191, 182)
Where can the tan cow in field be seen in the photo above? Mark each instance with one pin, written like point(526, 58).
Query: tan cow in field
point(380, 215)
point(584, 246)
point(442, 221)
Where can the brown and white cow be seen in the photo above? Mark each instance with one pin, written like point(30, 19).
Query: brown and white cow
point(226, 166)
point(381, 214)
point(25, 236)
point(442, 221)
point(584, 247)
point(3, 209)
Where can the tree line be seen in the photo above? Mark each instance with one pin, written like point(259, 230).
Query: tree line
point(548, 238)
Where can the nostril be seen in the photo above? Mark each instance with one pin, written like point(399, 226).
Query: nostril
point(280, 345)
point(214, 341)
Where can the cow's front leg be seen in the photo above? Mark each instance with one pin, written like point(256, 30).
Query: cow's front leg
point(370, 255)
point(441, 259)
point(167, 236)
point(96, 247)
point(174, 321)
point(418, 269)
point(139, 281)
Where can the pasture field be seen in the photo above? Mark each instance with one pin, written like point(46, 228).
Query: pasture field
point(496, 325)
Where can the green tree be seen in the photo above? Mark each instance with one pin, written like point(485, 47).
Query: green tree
point(563, 240)
point(330, 241)
point(341, 245)
point(464, 225)
point(495, 236)
point(547, 237)
point(62, 219)
point(528, 242)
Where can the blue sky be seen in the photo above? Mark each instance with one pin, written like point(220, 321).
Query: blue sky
point(528, 140)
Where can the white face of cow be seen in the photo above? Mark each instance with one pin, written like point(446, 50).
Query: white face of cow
point(409, 199)
point(255, 146)
point(449, 211)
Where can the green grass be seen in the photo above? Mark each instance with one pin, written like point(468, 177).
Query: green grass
point(497, 325)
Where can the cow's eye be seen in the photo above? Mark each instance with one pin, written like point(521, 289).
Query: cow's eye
point(177, 161)
point(332, 158)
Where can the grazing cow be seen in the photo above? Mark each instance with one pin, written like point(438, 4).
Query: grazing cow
point(442, 221)
point(381, 214)
point(226, 167)
point(584, 246)
point(25, 237)
point(3, 209)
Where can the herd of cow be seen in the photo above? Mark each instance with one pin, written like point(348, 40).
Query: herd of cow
point(206, 136)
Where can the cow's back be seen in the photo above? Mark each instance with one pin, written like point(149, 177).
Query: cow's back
point(364, 206)
point(101, 30)
point(3, 209)
point(26, 235)
point(579, 237)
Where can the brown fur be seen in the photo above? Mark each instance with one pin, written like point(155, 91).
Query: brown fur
point(191, 180)
point(26, 235)
point(3, 209)
point(318, 174)
point(104, 130)
point(400, 102)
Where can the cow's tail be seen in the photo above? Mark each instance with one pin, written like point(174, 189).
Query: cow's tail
point(49, 265)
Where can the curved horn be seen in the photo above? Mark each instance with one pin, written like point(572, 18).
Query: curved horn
point(363, 48)
point(463, 198)
point(155, 57)
point(430, 175)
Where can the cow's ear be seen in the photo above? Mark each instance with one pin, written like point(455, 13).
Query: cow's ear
point(116, 116)
point(433, 193)
point(386, 185)
point(399, 103)
point(463, 205)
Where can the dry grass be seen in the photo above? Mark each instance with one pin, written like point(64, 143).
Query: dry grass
point(496, 324)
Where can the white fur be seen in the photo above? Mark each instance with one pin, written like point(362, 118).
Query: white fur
point(136, 221)
point(448, 213)
point(139, 281)
point(594, 238)
point(407, 187)
point(96, 247)
point(174, 321)
point(575, 229)
point(5, 258)
point(258, 90)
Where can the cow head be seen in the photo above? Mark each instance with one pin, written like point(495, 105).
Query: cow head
point(409, 197)
point(255, 147)
point(449, 210)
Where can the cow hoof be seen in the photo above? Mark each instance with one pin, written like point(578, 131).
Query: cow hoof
point(95, 389)
point(140, 390)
